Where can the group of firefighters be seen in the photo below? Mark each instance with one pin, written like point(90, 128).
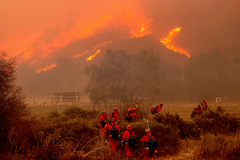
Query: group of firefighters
point(200, 108)
point(128, 139)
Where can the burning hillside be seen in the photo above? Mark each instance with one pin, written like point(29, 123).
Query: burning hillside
point(86, 36)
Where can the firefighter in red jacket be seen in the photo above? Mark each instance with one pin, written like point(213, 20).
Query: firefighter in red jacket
point(204, 107)
point(113, 135)
point(137, 106)
point(102, 122)
point(204, 104)
point(134, 115)
point(200, 110)
point(129, 115)
point(125, 138)
point(159, 108)
point(115, 115)
point(103, 119)
point(146, 140)
point(194, 112)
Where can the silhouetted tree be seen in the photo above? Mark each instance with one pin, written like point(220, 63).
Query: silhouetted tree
point(206, 74)
point(120, 76)
point(111, 80)
point(12, 100)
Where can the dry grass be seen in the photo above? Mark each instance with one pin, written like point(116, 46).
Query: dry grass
point(63, 134)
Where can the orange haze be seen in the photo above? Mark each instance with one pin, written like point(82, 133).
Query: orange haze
point(38, 31)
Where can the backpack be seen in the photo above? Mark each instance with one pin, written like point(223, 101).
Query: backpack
point(128, 118)
point(153, 110)
point(103, 122)
point(152, 144)
point(132, 140)
point(114, 131)
point(112, 115)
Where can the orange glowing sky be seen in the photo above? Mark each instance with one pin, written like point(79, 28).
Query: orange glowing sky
point(33, 30)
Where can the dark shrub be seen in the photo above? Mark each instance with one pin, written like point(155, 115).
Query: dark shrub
point(12, 107)
point(217, 122)
point(76, 112)
point(53, 114)
point(233, 154)
point(186, 128)
point(167, 136)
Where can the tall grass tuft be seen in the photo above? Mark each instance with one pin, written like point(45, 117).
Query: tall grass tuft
point(222, 147)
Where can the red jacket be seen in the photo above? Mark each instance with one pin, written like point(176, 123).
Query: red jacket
point(109, 127)
point(200, 110)
point(126, 135)
point(158, 108)
point(146, 139)
point(134, 115)
point(204, 102)
point(115, 115)
point(102, 117)
point(129, 113)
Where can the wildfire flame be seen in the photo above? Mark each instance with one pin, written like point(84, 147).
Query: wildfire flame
point(46, 68)
point(168, 42)
point(92, 56)
point(132, 22)
point(98, 46)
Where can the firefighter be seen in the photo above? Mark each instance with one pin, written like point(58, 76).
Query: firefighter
point(129, 115)
point(159, 108)
point(127, 140)
point(204, 102)
point(200, 110)
point(116, 110)
point(204, 107)
point(194, 112)
point(102, 122)
point(149, 148)
point(137, 106)
point(103, 119)
point(115, 115)
point(134, 115)
point(114, 133)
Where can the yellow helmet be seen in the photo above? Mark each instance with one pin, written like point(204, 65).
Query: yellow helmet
point(147, 130)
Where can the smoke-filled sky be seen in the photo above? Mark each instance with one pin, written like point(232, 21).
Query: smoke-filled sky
point(36, 29)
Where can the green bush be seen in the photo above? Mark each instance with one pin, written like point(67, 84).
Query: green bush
point(76, 112)
point(12, 101)
point(217, 122)
point(167, 136)
point(186, 129)
point(53, 114)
